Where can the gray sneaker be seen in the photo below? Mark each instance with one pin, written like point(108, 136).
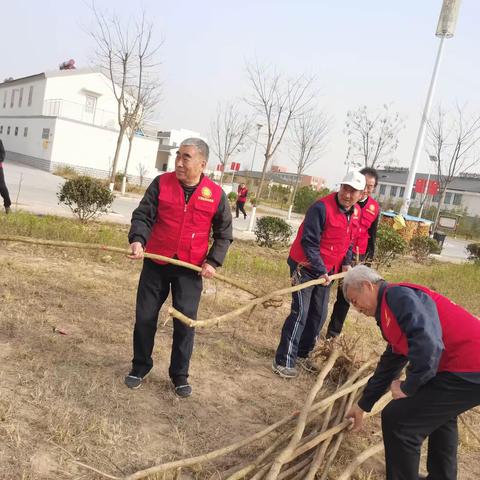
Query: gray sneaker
point(284, 372)
point(307, 365)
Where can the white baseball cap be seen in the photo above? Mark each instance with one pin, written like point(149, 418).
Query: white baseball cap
point(355, 179)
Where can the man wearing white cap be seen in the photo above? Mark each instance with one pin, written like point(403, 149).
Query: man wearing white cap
point(323, 246)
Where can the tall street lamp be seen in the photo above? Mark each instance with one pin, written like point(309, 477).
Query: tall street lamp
point(445, 29)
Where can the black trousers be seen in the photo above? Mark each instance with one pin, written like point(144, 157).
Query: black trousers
point(340, 311)
point(432, 412)
point(3, 189)
point(307, 315)
point(155, 284)
point(240, 208)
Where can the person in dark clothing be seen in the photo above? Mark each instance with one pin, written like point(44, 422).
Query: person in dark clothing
point(440, 342)
point(322, 247)
point(241, 200)
point(174, 219)
point(3, 186)
point(363, 247)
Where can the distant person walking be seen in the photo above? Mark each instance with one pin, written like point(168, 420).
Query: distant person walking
point(241, 199)
point(3, 186)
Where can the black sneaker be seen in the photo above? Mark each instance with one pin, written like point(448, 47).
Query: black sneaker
point(182, 387)
point(133, 381)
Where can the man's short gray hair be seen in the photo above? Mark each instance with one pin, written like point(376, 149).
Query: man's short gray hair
point(357, 276)
point(201, 145)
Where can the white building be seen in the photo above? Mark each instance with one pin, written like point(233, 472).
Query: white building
point(69, 117)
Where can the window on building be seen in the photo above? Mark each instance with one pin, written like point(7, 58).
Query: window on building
point(402, 191)
point(383, 189)
point(8, 130)
point(90, 103)
point(12, 98)
point(393, 191)
point(45, 133)
point(25, 131)
point(30, 96)
point(20, 97)
point(448, 198)
point(16, 131)
point(5, 99)
point(457, 199)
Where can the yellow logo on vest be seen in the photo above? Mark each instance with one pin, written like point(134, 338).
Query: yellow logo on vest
point(206, 195)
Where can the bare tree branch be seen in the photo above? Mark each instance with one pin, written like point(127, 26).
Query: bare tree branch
point(277, 101)
point(372, 139)
point(230, 133)
point(452, 139)
point(308, 139)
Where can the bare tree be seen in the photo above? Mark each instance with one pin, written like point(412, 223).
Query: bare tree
point(229, 132)
point(128, 59)
point(308, 140)
point(451, 139)
point(137, 112)
point(278, 101)
point(372, 138)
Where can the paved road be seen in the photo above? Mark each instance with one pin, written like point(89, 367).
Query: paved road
point(35, 191)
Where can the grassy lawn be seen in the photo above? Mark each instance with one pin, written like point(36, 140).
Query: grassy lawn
point(66, 319)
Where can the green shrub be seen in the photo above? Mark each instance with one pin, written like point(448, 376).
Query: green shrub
point(422, 246)
point(306, 196)
point(86, 197)
point(272, 231)
point(232, 196)
point(473, 250)
point(389, 246)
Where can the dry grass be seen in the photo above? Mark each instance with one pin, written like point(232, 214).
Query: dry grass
point(62, 396)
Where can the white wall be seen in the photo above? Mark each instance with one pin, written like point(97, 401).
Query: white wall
point(72, 89)
point(37, 97)
point(90, 147)
point(33, 144)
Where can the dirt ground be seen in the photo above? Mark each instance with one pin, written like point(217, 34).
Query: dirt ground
point(66, 321)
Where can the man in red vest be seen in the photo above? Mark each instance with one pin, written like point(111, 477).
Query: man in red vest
point(174, 219)
point(440, 342)
point(323, 246)
point(363, 247)
point(241, 199)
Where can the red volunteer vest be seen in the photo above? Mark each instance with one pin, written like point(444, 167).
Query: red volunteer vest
point(460, 332)
point(181, 229)
point(368, 215)
point(242, 194)
point(336, 237)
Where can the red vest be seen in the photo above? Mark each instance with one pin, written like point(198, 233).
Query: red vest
point(460, 332)
point(337, 235)
point(242, 194)
point(183, 229)
point(368, 215)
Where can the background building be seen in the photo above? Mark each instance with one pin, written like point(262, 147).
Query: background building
point(462, 194)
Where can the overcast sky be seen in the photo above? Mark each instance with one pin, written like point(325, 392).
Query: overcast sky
point(367, 52)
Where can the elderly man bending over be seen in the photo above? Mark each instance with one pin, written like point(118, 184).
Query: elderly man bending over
point(440, 343)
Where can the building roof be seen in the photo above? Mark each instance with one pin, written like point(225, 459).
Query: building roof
point(49, 74)
point(460, 183)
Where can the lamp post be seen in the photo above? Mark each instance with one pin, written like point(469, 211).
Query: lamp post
point(445, 29)
point(254, 209)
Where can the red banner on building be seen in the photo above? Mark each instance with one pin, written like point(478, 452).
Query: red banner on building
point(235, 166)
point(430, 186)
